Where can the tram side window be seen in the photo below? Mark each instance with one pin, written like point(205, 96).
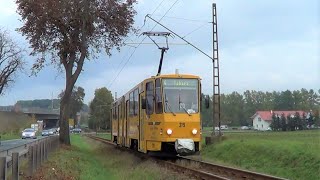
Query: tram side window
point(158, 97)
point(136, 99)
point(131, 104)
point(150, 97)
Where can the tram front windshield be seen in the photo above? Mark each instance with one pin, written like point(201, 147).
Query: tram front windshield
point(181, 95)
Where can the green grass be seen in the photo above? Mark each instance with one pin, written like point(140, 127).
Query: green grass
point(87, 159)
point(8, 136)
point(293, 155)
point(104, 135)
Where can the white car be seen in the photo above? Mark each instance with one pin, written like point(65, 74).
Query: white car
point(29, 133)
point(224, 127)
point(244, 127)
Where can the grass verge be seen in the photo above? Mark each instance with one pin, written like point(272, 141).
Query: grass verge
point(104, 135)
point(88, 159)
point(8, 136)
point(293, 155)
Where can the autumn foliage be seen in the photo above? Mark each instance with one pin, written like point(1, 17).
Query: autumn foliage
point(68, 32)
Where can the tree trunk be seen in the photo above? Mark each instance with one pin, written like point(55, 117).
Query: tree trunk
point(65, 113)
point(64, 124)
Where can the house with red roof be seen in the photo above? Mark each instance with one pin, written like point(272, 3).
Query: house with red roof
point(261, 120)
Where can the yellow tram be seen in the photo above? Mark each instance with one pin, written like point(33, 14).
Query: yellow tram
point(160, 115)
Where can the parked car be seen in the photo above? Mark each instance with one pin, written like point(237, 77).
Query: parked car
point(29, 133)
point(224, 127)
point(244, 128)
point(45, 132)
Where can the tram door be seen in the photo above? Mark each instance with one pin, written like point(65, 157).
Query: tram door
point(141, 124)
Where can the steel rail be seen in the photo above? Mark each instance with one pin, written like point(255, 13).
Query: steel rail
point(229, 172)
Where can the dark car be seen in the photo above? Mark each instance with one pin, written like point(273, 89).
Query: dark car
point(45, 132)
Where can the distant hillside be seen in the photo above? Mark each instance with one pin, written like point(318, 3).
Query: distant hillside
point(39, 103)
point(42, 104)
point(13, 122)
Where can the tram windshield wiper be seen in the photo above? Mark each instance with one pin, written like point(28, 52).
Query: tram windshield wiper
point(183, 107)
point(168, 105)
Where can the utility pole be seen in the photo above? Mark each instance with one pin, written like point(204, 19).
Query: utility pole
point(216, 78)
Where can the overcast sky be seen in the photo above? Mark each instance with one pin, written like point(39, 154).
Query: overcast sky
point(264, 45)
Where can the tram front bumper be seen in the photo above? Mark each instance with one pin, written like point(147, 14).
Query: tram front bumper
point(184, 146)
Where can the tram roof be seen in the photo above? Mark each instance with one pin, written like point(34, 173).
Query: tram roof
point(176, 76)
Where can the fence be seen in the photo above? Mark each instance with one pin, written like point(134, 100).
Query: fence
point(36, 153)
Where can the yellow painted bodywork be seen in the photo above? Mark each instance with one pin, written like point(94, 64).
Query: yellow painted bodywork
point(151, 130)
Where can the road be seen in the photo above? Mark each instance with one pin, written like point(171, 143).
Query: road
point(9, 144)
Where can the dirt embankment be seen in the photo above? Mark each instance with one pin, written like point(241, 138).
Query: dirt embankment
point(11, 122)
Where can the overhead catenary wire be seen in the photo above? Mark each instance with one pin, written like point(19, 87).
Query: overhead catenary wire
point(128, 38)
point(157, 43)
point(196, 29)
point(140, 44)
point(185, 19)
point(158, 22)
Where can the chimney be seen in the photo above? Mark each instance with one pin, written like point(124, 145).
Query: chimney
point(177, 71)
point(271, 112)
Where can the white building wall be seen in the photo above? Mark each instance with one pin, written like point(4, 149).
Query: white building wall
point(260, 124)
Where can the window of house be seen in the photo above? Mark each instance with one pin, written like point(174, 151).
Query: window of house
point(259, 119)
point(131, 104)
point(158, 97)
point(150, 98)
point(136, 101)
point(262, 125)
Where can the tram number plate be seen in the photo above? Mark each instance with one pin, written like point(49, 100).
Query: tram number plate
point(182, 125)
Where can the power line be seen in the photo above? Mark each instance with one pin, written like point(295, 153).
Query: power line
point(140, 44)
point(131, 41)
point(157, 43)
point(185, 19)
point(195, 29)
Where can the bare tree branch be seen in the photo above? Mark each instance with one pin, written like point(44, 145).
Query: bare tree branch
point(10, 60)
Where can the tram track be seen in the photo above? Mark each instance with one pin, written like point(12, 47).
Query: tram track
point(199, 169)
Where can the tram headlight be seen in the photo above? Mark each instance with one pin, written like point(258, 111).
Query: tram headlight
point(169, 131)
point(194, 131)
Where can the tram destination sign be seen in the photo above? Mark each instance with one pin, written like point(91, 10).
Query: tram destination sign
point(187, 83)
